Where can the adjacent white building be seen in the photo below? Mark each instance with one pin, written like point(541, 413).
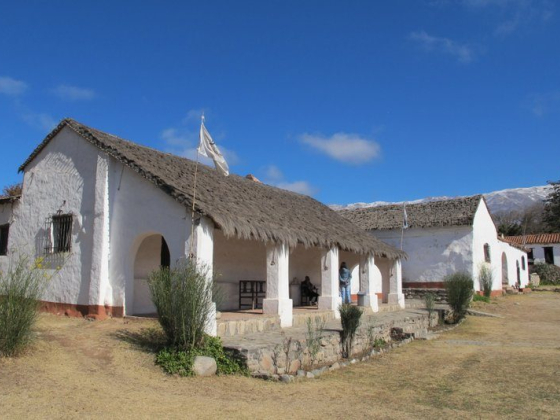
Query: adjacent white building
point(542, 247)
point(444, 237)
point(108, 211)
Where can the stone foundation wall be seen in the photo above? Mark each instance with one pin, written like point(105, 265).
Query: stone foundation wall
point(419, 293)
point(295, 353)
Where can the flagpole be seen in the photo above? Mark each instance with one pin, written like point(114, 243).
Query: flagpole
point(404, 222)
point(194, 196)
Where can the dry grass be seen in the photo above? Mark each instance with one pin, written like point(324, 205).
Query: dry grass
point(487, 368)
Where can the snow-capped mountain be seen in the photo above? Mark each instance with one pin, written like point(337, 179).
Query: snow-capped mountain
point(498, 201)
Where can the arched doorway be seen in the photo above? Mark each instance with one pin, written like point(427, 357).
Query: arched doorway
point(505, 279)
point(518, 274)
point(152, 253)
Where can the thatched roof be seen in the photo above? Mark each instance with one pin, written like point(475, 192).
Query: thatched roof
point(238, 206)
point(454, 212)
point(9, 199)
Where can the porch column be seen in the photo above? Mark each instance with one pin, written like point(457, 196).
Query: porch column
point(330, 294)
point(370, 282)
point(396, 296)
point(203, 250)
point(278, 283)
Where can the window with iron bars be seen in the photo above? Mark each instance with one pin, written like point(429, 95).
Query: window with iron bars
point(4, 231)
point(58, 238)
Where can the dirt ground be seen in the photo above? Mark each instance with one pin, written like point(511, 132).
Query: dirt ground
point(486, 368)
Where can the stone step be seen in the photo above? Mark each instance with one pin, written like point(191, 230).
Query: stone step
point(255, 324)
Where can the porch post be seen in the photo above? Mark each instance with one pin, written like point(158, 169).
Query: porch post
point(396, 296)
point(330, 295)
point(203, 249)
point(370, 281)
point(278, 283)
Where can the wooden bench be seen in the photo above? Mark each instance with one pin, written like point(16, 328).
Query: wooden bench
point(251, 294)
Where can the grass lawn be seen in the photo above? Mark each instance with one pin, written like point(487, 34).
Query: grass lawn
point(486, 368)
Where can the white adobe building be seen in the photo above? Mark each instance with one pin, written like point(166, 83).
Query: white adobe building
point(542, 247)
point(110, 211)
point(445, 237)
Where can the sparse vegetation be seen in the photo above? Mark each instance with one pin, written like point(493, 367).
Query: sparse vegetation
point(13, 190)
point(183, 299)
point(350, 316)
point(485, 280)
point(481, 298)
point(180, 362)
point(459, 287)
point(20, 289)
point(430, 302)
point(313, 337)
point(548, 273)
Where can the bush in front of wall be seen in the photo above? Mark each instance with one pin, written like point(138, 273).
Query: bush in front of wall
point(485, 280)
point(350, 316)
point(180, 362)
point(20, 289)
point(459, 287)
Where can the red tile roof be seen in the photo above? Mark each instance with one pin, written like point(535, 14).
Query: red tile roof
point(540, 238)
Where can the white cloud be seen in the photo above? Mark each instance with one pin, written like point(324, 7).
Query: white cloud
point(12, 87)
point(193, 115)
point(514, 14)
point(462, 52)
point(275, 177)
point(73, 93)
point(300, 187)
point(39, 120)
point(542, 104)
point(344, 147)
point(273, 173)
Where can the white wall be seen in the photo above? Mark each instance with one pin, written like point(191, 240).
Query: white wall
point(234, 260)
point(62, 177)
point(538, 252)
point(485, 233)
point(433, 253)
point(138, 210)
point(114, 210)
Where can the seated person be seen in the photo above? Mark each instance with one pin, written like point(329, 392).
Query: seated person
point(308, 289)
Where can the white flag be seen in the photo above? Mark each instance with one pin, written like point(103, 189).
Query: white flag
point(405, 218)
point(208, 148)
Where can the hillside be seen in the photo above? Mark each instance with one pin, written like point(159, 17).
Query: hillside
point(498, 201)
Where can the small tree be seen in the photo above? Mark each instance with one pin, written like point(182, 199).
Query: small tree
point(183, 299)
point(552, 208)
point(20, 289)
point(459, 287)
point(350, 316)
point(485, 280)
point(13, 190)
point(430, 301)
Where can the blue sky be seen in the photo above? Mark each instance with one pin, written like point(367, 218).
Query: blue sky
point(344, 100)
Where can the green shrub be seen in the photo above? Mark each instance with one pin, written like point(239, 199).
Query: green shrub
point(479, 298)
point(313, 337)
point(459, 287)
point(548, 273)
point(20, 289)
point(183, 299)
point(485, 280)
point(350, 316)
point(430, 301)
point(180, 362)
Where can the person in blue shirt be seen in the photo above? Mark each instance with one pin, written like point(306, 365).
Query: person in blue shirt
point(345, 278)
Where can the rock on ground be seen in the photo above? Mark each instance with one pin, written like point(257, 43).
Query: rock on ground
point(204, 366)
